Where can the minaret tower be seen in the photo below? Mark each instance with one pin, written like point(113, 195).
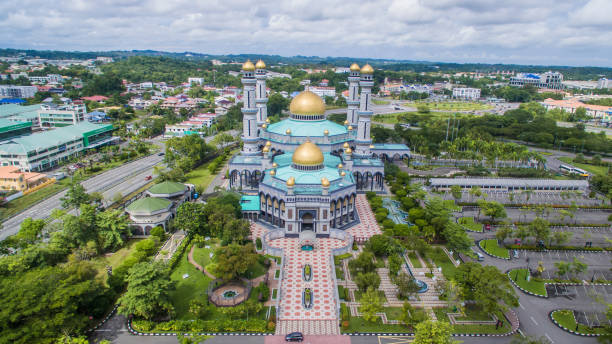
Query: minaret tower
point(261, 98)
point(363, 140)
point(353, 98)
point(249, 111)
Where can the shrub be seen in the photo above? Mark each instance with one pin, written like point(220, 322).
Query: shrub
point(345, 313)
point(258, 243)
point(159, 233)
point(370, 195)
point(271, 326)
point(345, 325)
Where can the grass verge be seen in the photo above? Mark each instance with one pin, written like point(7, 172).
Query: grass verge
point(491, 247)
point(565, 318)
point(519, 276)
point(470, 224)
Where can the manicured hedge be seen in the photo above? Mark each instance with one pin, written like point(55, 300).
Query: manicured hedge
point(562, 248)
point(251, 325)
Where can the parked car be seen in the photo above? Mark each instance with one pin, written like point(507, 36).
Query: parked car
point(148, 178)
point(161, 154)
point(480, 256)
point(294, 337)
point(515, 254)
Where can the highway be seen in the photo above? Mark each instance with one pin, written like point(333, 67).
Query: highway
point(124, 179)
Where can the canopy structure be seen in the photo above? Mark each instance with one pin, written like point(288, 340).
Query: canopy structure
point(308, 238)
point(510, 184)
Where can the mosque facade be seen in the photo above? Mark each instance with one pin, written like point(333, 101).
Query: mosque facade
point(304, 172)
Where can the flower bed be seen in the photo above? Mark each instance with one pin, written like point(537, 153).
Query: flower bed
point(307, 298)
point(307, 273)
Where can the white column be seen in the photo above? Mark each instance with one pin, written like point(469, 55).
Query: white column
point(261, 98)
point(353, 98)
point(363, 140)
point(249, 111)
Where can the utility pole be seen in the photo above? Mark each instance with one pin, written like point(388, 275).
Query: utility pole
point(447, 126)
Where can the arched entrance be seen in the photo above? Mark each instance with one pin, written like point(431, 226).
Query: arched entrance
point(307, 220)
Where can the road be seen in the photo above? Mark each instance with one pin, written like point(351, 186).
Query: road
point(124, 179)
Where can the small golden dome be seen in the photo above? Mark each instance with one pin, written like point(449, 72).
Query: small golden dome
point(275, 165)
point(260, 65)
point(272, 173)
point(348, 151)
point(325, 132)
point(268, 143)
point(308, 154)
point(371, 146)
point(343, 173)
point(291, 181)
point(307, 103)
point(350, 127)
point(288, 131)
point(325, 182)
point(267, 120)
point(345, 145)
point(355, 67)
point(367, 69)
point(264, 125)
point(346, 122)
point(248, 66)
point(265, 149)
point(340, 166)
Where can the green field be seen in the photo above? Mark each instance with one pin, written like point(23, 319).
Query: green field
point(414, 260)
point(566, 319)
point(115, 259)
point(470, 224)
point(519, 276)
point(440, 258)
point(380, 102)
point(393, 313)
point(452, 106)
point(358, 324)
point(359, 293)
point(491, 246)
point(594, 169)
point(389, 118)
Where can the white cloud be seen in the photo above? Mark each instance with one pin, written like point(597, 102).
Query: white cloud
point(520, 31)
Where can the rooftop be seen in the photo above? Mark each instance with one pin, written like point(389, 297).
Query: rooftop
point(249, 202)
point(167, 188)
point(306, 128)
point(149, 205)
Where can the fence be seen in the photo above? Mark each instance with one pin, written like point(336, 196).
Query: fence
point(269, 236)
point(220, 300)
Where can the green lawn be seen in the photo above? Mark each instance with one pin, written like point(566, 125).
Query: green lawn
point(200, 176)
point(489, 329)
point(389, 118)
point(202, 257)
point(359, 293)
point(358, 324)
point(114, 259)
point(491, 247)
point(594, 169)
point(470, 224)
point(414, 260)
point(519, 276)
point(440, 258)
point(393, 313)
point(380, 102)
point(566, 319)
point(191, 288)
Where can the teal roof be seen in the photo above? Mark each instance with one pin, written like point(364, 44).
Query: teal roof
point(249, 202)
point(307, 177)
point(148, 205)
point(306, 128)
point(7, 125)
point(247, 160)
point(37, 141)
point(8, 110)
point(167, 188)
point(285, 159)
point(390, 146)
point(367, 162)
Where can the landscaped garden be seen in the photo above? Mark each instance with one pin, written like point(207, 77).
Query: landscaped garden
point(566, 318)
point(474, 314)
point(534, 285)
point(469, 223)
point(491, 246)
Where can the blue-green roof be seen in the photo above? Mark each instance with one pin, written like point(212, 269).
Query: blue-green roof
point(367, 162)
point(285, 159)
point(246, 159)
point(308, 182)
point(306, 128)
point(23, 144)
point(249, 202)
point(390, 146)
point(8, 110)
point(8, 125)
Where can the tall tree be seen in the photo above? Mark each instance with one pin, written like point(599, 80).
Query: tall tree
point(371, 303)
point(433, 332)
point(148, 291)
point(234, 260)
point(486, 285)
point(75, 196)
point(112, 228)
point(191, 217)
point(456, 237)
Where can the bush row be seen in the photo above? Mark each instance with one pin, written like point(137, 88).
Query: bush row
point(567, 248)
point(343, 293)
point(178, 254)
point(251, 325)
point(559, 206)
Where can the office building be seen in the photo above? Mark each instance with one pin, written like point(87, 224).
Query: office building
point(52, 115)
point(11, 91)
point(551, 80)
point(466, 93)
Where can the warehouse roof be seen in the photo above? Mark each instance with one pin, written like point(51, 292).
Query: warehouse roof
point(510, 182)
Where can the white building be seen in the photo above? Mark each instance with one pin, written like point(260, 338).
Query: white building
point(10, 91)
point(322, 91)
point(603, 83)
point(552, 80)
point(199, 81)
point(52, 115)
point(466, 93)
point(145, 85)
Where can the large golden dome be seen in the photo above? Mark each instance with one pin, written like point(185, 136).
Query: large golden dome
point(367, 69)
point(248, 66)
point(308, 154)
point(307, 103)
point(355, 67)
point(260, 65)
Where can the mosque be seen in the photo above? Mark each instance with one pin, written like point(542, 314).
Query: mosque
point(304, 172)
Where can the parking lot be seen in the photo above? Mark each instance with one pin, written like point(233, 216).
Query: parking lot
point(598, 263)
point(578, 291)
point(535, 197)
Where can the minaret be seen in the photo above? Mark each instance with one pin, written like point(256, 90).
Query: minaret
point(363, 140)
point(353, 98)
point(249, 111)
point(261, 98)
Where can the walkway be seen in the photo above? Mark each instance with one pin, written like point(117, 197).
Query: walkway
point(196, 265)
point(170, 246)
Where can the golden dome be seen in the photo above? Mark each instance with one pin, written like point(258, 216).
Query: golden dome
point(325, 132)
point(288, 131)
point(348, 151)
point(346, 122)
point(264, 125)
point(324, 182)
point(307, 103)
point(345, 145)
point(267, 120)
point(350, 127)
point(273, 173)
point(291, 181)
point(343, 173)
point(307, 154)
point(355, 67)
point(275, 165)
point(260, 65)
point(265, 149)
point(340, 166)
point(367, 69)
point(248, 66)
point(268, 143)
point(371, 146)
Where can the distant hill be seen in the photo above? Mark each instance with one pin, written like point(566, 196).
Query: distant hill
point(569, 72)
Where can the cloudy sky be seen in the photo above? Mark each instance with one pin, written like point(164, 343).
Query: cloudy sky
point(562, 32)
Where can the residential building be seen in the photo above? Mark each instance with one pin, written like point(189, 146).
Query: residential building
point(552, 80)
point(146, 85)
point(597, 112)
point(53, 115)
point(11, 91)
point(11, 178)
point(199, 81)
point(104, 59)
point(466, 93)
point(603, 83)
point(45, 150)
point(322, 91)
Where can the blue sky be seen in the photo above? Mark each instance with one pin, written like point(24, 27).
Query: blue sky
point(559, 32)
